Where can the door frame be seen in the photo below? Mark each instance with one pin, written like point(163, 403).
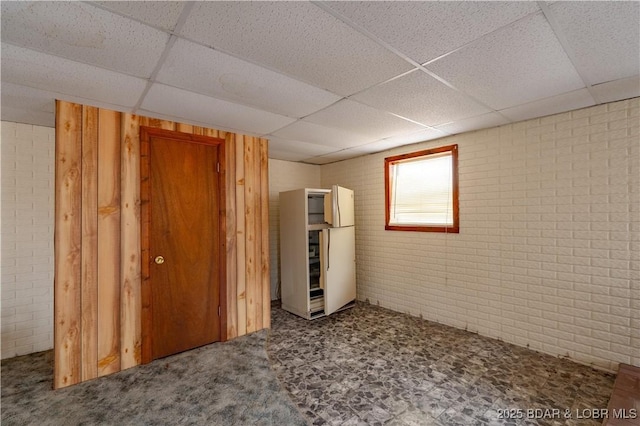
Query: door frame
point(146, 133)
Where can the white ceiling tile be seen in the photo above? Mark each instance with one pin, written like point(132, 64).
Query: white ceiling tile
point(286, 155)
point(209, 72)
point(474, 123)
point(604, 37)
point(306, 149)
point(214, 112)
point(515, 65)
point(84, 33)
point(27, 97)
point(361, 119)
point(45, 72)
point(27, 116)
point(373, 147)
point(425, 30)
point(326, 159)
point(553, 105)
point(296, 38)
point(421, 98)
point(320, 135)
point(177, 119)
point(617, 90)
point(40, 104)
point(26, 105)
point(160, 14)
point(421, 136)
point(330, 158)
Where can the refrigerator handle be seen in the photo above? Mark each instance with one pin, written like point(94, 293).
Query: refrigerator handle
point(328, 246)
point(338, 206)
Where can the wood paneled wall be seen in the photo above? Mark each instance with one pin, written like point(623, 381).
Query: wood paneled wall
point(98, 258)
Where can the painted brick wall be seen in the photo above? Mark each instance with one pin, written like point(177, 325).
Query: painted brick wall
point(548, 254)
point(284, 176)
point(27, 238)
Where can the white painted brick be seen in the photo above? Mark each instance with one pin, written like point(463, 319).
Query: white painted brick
point(547, 226)
point(27, 225)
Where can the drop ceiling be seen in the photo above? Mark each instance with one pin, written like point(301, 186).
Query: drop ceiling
point(323, 81)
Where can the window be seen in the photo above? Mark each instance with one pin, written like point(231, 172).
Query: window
point(421, 190)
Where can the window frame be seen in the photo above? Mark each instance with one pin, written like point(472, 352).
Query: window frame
point(389, 161)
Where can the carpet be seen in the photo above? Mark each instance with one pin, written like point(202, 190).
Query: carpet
point(228, 383)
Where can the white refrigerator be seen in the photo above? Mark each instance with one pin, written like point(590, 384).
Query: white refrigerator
point(317, 251)
point(338, 250)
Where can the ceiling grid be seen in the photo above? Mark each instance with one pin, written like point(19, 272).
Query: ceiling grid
point(323, 81)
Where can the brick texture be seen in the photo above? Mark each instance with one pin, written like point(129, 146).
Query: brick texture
point(27, 238)
point(548, 254)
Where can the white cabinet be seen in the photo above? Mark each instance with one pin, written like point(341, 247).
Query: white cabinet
point(317, 261)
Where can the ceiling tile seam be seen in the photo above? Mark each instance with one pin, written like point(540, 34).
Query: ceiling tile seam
point(154, 73)
point(232, 100)
point(298, 119)
point(384, 44)
point(74, 60)
point(426, 126)
point(329, 153)
point(477, 40)
point(228, 101)
point(179, 24)
point(271, 133)
point(409, 134)
point(566, 46)
point(364, 31)
point(187, 120)
point(182, 19)
point(186, 10)
point(368, 106)
point(541, 100)
point(66, 96)
point(451, 86)
point(389, 80)
point(123, 15)
point(258, 64)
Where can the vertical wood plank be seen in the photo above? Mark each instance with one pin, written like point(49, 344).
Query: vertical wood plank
point(264, 229)
point(197, 130)
point(145, 256)
point(109, 238)
point(250, 235)
point(184, 128)
point(89, 290)
point(67, 242)
point(98, 230)
point(213, 133)
point(131, 278)
point(241, 298)
point(223, 219)
point(257, 217)
point(160, 124)
point(231, 237)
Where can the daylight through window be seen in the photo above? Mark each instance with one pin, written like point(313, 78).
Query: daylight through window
point(422, 190)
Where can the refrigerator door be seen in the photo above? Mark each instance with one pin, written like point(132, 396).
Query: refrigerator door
point(338, 267)
point(338, 207)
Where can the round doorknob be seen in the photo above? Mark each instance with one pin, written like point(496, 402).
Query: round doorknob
point(159, 260)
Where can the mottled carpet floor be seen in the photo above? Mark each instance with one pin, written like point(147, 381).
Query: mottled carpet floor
point(228, 383)
point(369, 365)
point(362, 366)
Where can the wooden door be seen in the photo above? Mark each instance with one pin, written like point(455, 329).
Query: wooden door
point(184, 234)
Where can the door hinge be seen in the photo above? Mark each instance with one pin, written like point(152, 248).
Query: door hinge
point(218, 310)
